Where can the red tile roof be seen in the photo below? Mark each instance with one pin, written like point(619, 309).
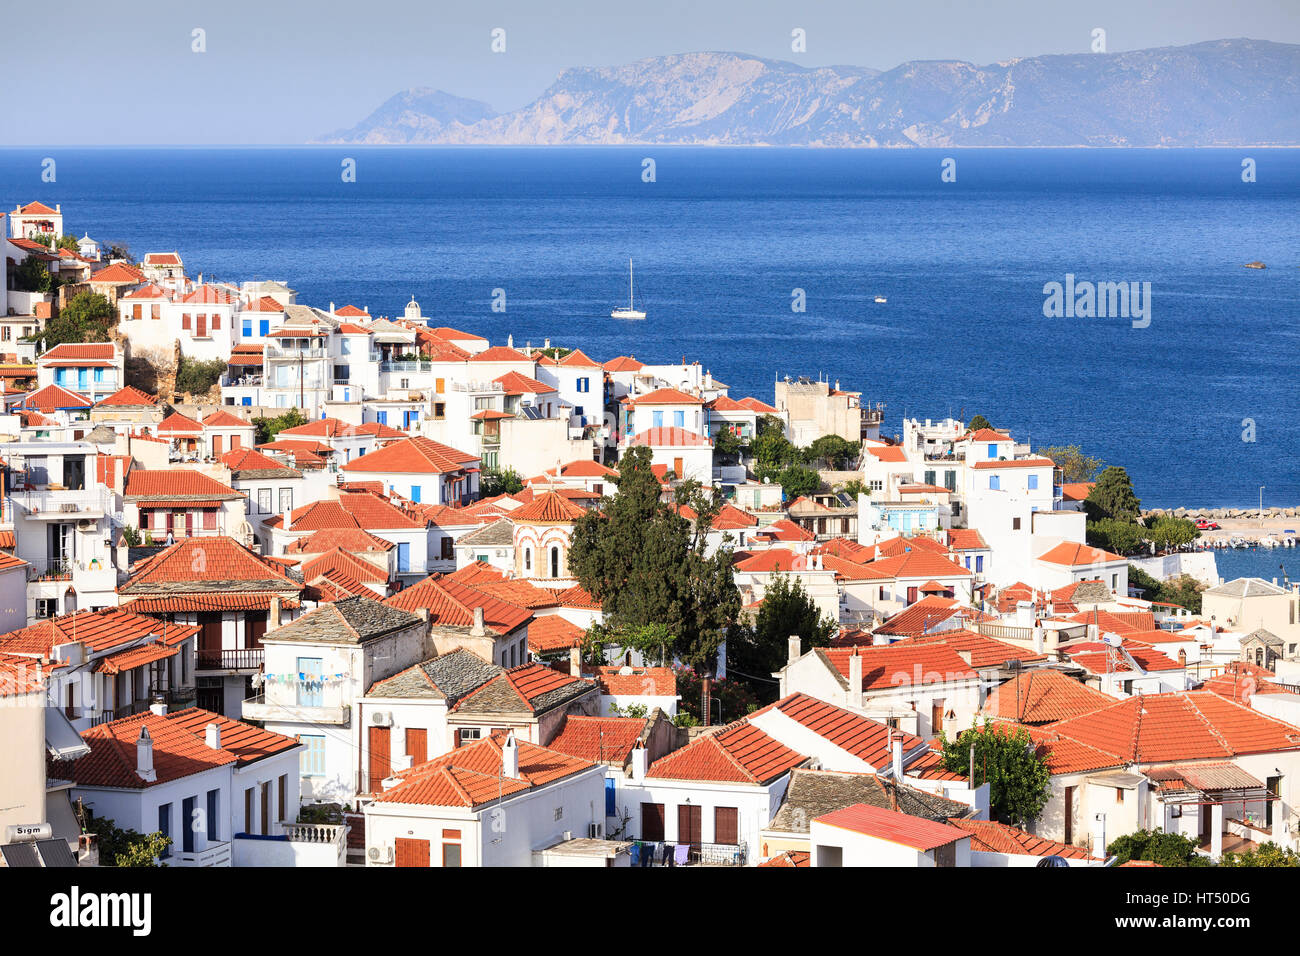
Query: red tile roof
point(451, 603)
point(1075, 555)
point(353, 540)
point(577, 597)
point(983, 651)
point(202, 560)
point(75, 352)
point(351, 510)
point(738, 753)
point(666, 396)
point(447, 332)
point(516, 384)
point(134, 657)
point(38, 208)
point(1042, 695)
point(119, 273)
point(223, 419)
point(178, 424)
point(351, 312)
point(985, 434)
point(795, 858)
point(894, 827)
point(53, 397)
point(175, 483)
point(97, 631)
point(1076, 490)
point(471, 776)
point(129, 396)
point(599, 739)
point(412, 456)
point(920, 564)
point(989, 836)
point(529, 684)
point(548, 507)
point(903, 664)
point(551, 633)
point(624, 363)
point(637, 682)
point(864, 738)
point(501, 353)
point(889, 453)
point(1017, 463)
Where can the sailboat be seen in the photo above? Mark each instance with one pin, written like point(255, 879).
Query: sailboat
point(630, 312)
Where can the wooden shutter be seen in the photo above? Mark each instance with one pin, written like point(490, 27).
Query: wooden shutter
point(412, 852)
point(380, 763)
point(248, 810)
point(266, 809)
point(216, 446)
point(726, 825)
point(652, 821)
point(417, 744)
point(284, 785)
point(690, 823)
point(457, 738)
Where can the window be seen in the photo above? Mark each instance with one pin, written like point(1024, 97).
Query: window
point(1033, 482)
point(185, 320)
point(993, 451)
point(555, 561)
point(679, 419)
point(248, 810)
point(439, 410)
point(263, 326)
point(451, 848)
point(264, 500)
point(726, 825)
point(468, 734)
point(311, 691)
point(7, 332)
point(403, 556)
point(246, 329)
point(282, 795)
point(214, 830)
point(312, 761)
point(286, 500)
point(216, 320)
point(584, 385)
point(1119, 794)
point(652, 822)
point(165, 827)
point(448, 545)
point(995, 483)
point(658, 419)
point(528, 559)
point(416, 491)
point(1015, 524)
point(559, 813)
point(345, 346)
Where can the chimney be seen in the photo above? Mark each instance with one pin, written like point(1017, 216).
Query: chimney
point(640, 761)
point(424, 614)
point(510, 341)
point(855, 679)
point(331, 308)
point(144, 757)
point(896, 757)
point(288, 517)
point(273, 615)
point(478, 629)
point(158, 707)
point(510, 757)
point(794, 649)
point(575, 661)
point(212, 736)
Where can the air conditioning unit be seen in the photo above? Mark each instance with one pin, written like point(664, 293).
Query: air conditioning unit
point(381, 718)
point(380, 854)
point(595, 831)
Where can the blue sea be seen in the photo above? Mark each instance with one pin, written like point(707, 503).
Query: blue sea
point(723, 237)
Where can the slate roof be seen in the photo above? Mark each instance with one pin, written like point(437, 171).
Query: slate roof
point(498, 534)
point(812, 793)
point(449, 677)
point(1246, 587)
point(531, 688)
point(353, 620)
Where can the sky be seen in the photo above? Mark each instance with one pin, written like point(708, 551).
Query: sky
point(285, 71)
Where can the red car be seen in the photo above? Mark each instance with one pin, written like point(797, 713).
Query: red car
point(1204, 525)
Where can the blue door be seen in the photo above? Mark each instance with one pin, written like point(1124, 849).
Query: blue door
point(404, 556)
point(415, 493)
point(611, 794)
point(979, 563)
point(381, 417)
point(263, 326)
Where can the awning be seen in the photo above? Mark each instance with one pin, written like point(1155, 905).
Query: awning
point(133, 658)
point(1219, 776)
point(179, 505)
point(61, 739)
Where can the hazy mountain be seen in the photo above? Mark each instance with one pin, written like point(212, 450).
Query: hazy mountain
point(1220, 93)
point(421, 115)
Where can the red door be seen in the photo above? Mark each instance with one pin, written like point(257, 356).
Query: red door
point(201, 326)
point(216, 446)
point(380, 764)
point(417, 744)
point(412, 852)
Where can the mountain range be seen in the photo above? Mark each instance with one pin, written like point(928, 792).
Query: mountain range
point(1219, 93)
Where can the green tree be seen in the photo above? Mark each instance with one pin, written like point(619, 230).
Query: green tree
point(653, 641)
point(1120, 537)
point(119, 847)
point(1169, 533)
point(84, 319)
point(773, 449)
point(797, 480)
point(1157, 846)
point(833, 451)
point(117, 249)
point(31, 275)
point(756, 651)
point(854, 488)
point(1005, 758)
point(198, 377)
point(978, 422)
point(1184, 590)
point(268, 428)
point(1269, 854)
point(727, 444)
point(1074, 464)
point(1112, 497)
point(647, 564)
point(495, 482)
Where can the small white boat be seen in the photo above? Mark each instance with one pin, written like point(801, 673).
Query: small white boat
point(631, 311)
point(881, 299)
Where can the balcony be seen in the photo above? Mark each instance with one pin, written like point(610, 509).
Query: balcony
point(63, 504)
point(259, 708)
point(694, 854)
point(279, 352)
point(405, 366)
point(297, 844)
point(214, 854)
point(236, 659)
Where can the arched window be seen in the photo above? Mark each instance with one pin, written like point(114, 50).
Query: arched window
point(555, 561)
point(528, 559)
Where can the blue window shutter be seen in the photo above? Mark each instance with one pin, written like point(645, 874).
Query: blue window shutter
point(679, 419)
point(248, 400)
point(264, 326)
point(381, 417)
point(404, 556)
point(979, 563)
point(611, 804)
point(659, 419)
point(993, 451)
point(1033, 482)
point(415, 493)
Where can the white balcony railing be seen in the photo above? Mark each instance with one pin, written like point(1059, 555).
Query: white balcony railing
point(214, 854)
point(54, 503)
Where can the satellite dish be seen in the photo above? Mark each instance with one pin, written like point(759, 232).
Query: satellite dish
point(1113, 640)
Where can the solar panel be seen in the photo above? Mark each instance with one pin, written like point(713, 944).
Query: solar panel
point(19, 854)
point(55, 853)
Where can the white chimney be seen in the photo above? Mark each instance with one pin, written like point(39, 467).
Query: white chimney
point(510, 757)
point(1038, 638)
point(896, 757)
point(1024, 614)
point(144, 757)
point(159, 708)
point(575, 661)
point(640, 762)
point(855, 679)
point(212, 736)
point(794, 648)
point(478, 629)
point(288, 518)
